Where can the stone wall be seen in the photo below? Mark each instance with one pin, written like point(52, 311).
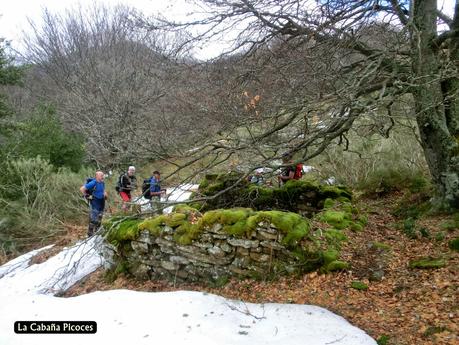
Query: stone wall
point(212, 256)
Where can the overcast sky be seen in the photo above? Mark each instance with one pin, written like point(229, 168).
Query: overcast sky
point(14, 14)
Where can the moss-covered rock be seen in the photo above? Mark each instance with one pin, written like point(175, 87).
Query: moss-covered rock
point(295, 195)
point(336, 265)
point(337, 219)
point(428, 262)
point(358, 285)
point(122, 229)
point(330, 256)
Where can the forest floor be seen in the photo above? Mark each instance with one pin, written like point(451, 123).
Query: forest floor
point(402, 305)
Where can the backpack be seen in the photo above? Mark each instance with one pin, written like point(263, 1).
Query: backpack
point(89, 192)
point(119, 184)
point(146, 188)
point(298, 171)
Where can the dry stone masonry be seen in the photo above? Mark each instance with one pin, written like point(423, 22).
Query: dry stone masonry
point(189, 246)
point(214, 255)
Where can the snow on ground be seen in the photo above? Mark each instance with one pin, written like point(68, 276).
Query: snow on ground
point(20, 263)
point(181, 317)
point(54, 275)
point(130, 317)
point(173, 195)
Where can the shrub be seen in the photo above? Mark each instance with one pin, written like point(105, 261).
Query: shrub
point(34, 202)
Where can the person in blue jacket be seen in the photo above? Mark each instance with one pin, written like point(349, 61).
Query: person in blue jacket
point(156, 192)
point(94, 191)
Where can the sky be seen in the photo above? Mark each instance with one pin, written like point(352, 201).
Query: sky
point(15, 13)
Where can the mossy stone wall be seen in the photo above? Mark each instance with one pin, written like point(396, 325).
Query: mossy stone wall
point(303, 196)
point(189, 246)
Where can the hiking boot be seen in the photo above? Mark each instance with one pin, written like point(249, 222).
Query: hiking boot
point(91, 230)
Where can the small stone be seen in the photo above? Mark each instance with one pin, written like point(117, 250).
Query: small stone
point(259, 257)
point(139, 247)
point(216, 251)
point(170, 266)
point(145, 237)
point(243, 243)
point(179, 260)
point(226, 247)
point(271, 244)
point(265, 235)
point(217, 228)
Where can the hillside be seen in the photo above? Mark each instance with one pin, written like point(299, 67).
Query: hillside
point(402, 305)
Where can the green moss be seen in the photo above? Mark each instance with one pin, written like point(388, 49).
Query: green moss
point(356, 226)
point(337, 219)
point(336, 265)
point(336, 192)
point(175, 219)
point(383, 340)
point(329, 203)
point(294, 226)
point(121, 268)
point(334, 237)
point(119, 231)
point(184, 208)
point(286, 197)
point(185, 233)
point(359, 285)
point(225, 217)
point(329, 256)
point(454, 244)
point(427, 262)
point(214, 188)
point(238, 229)
point(154, 224)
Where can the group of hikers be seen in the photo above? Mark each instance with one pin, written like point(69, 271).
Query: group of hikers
point(94, 192)
point(94, 189)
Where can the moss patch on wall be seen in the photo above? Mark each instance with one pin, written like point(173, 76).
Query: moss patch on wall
point(295, 195)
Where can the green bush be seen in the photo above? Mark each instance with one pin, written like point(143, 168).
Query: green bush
point(35, 200)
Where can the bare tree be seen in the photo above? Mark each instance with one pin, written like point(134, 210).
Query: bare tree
point(364, 56)
point(122, 87)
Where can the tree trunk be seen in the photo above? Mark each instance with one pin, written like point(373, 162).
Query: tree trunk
point(437, 120)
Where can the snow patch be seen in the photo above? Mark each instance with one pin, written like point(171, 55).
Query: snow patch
point(173, 195)
point(181, 317)
point(56, 274)
point(20, 263)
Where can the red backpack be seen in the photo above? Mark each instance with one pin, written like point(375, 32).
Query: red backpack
point(298, 171)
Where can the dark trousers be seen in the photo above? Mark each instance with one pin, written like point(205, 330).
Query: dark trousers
point(96, 211)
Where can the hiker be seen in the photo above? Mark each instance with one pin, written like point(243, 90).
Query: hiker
point(290, 171)
point(258, 177)
point(127, 183)
point(156, 192)
point(94, 192)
